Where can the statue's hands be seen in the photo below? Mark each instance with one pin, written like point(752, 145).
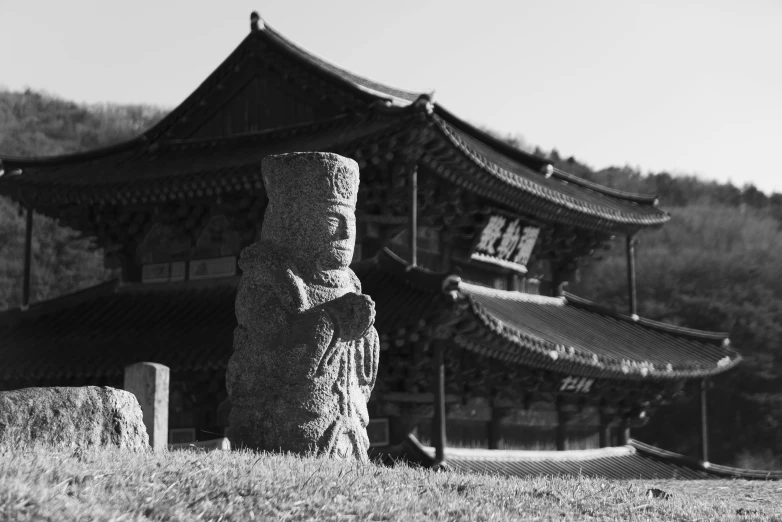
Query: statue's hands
point(355, 314)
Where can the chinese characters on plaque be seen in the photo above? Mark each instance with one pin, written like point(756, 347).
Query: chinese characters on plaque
point(506, 240)
point(576, 384)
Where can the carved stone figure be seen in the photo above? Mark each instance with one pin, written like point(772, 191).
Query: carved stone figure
point(305, 349)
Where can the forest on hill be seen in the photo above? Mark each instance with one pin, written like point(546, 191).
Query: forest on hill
point(717, 265)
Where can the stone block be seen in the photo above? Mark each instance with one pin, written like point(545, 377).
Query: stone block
point(222, 444)
point(72, 417)
point(149, 382)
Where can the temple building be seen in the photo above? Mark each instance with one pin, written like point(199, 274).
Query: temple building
point(464, 242)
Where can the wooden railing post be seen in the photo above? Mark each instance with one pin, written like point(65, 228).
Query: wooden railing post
point(28, 261)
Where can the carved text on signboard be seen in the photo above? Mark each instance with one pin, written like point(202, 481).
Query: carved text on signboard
point(576, 384)
point(506, 240)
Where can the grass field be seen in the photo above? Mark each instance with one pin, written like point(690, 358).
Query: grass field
point(109, 484)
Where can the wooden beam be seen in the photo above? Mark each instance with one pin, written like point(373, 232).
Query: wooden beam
point(704, 422)
point(28, 250)
point(438, 422)
point(413, 220)
point(631, 273)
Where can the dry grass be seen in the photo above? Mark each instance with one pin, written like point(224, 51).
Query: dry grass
point(108, 484)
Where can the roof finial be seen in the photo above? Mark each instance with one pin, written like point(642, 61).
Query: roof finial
point(255, 21)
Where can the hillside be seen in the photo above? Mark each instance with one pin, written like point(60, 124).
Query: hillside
point(36, 124)
point(715, 266)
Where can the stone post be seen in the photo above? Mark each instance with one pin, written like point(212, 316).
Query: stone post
point(149, 383)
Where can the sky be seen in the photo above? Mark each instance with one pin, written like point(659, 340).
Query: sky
point(685, 86)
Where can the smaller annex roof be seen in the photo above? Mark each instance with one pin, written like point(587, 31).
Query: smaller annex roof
point(634, 461)
point(563, 334)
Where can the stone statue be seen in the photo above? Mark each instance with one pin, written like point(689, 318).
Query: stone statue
point(305, 349)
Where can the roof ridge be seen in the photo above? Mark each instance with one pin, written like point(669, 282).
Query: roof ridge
point(718, 338)
point(424, 279)
point(512, 295)
point(57, 303)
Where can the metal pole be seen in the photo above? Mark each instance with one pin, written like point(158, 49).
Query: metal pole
point(413, 185)
point(28, 249)
point(439, 402)
point(631, 273)
point(704, 422)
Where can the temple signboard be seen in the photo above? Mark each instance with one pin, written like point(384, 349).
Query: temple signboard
point(506, 242)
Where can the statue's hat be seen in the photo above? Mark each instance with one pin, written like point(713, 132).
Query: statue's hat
point(312, 178)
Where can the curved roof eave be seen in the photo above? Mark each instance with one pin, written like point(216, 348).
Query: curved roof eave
point(576, 199)
point(537, 163)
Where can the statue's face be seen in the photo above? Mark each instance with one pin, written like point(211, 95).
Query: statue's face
point(322, 236)
point(334, 237)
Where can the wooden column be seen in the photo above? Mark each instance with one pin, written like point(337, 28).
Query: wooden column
point(438, 421)
point(704, 422)
point(562, 418)
point(413, 230)
point(631, 273)
point(28, 254)
point(605, 430)
point(624, 431)
point(495, 426)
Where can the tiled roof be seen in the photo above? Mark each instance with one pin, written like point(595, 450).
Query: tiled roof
point(185, 326)
point(634, 461)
